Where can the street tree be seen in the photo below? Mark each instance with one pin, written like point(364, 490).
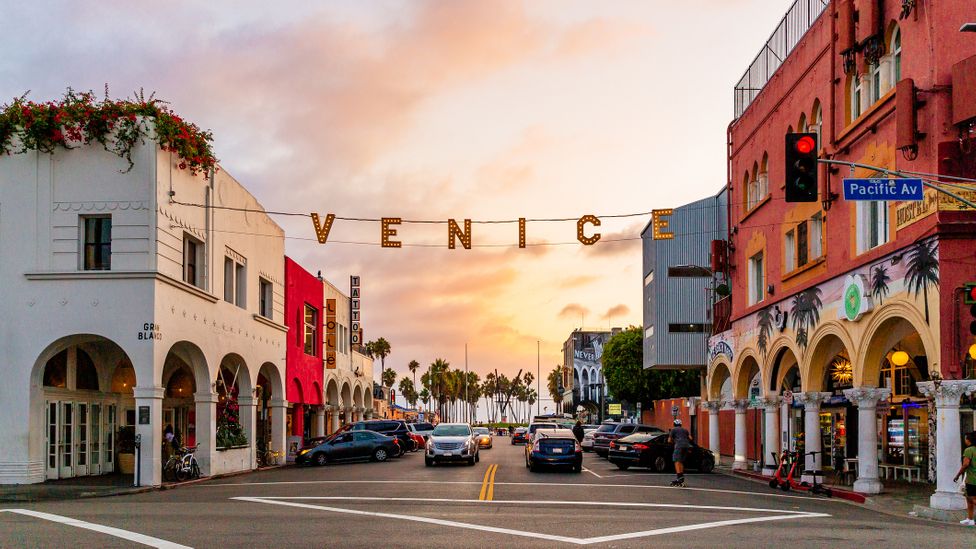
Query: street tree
point(389, 377)
point(626, 378)
point(553, 381)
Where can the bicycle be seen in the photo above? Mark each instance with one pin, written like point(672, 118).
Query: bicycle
point(267, 458)
point(188, 467)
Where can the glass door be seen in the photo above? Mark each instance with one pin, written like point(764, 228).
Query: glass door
point(108, 449)
point(66, 427)
point(81, 451)
point(95, 467)
point(53, 438)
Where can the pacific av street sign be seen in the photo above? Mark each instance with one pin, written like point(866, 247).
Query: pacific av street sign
point(883, 189)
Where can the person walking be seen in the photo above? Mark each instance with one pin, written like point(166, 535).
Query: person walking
point(578, 431)
point(681, 438)
point(969, 469)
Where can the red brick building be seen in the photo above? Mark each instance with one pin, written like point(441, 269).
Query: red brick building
point(847, 315)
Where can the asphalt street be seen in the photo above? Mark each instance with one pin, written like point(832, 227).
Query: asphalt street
point(497, 503)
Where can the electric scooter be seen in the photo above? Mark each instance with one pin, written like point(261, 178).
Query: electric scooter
point(817, 487)
point(787, 465)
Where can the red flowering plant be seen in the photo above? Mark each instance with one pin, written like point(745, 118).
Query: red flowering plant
point(119, 125)
point(230, 432)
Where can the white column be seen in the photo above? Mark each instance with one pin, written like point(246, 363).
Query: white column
point(206, 425)
point(740, 407)
point(714, 444)
point(279, 422)
point(948, 446)
point(248, 415)
point(866, 399)
point(334, 410)
point(320, 421)
point(812, 441)
point(771, 433)
point(150, 453)
point(348, 413)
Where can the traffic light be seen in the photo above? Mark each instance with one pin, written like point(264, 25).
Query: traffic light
point(969, 298)
point(801, 167)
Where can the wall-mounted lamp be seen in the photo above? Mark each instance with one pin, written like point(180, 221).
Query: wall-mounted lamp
point(769, 289)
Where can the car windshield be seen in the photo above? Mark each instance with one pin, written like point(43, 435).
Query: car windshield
point(452, 431)
point(607, 428)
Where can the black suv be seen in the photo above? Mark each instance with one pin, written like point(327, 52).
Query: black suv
point(388, 427)
point(612, 431)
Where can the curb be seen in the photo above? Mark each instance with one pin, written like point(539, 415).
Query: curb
point(837, 492)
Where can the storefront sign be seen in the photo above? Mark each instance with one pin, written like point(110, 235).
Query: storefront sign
point(330, 334)
point(613, 409)
point(356, 333)
point(149, 331)
point(856, 299)
point(910, 212)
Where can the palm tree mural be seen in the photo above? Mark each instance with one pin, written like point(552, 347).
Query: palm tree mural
point(879, 283)
point(765, 322)
point(805, 311)
point(923, 270)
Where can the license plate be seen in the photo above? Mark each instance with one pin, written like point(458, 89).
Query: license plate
point(624, 448)
point(448, 454)
point(557, 450)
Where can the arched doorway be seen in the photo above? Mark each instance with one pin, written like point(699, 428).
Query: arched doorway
point(231, 383)
point(85, 382)
point(357, 400)
point(830, 421)
point(332, 401)
point(345, 411)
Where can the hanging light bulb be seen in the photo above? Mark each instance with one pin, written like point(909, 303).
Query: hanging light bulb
point(899, 358)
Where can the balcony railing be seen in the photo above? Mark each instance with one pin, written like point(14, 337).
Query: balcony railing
point(787, 35)
point(721, 315)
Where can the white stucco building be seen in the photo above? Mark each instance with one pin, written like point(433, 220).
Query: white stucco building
point(119, 307)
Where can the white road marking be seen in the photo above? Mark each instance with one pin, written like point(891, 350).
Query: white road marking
point(779, 515)
point(117, 532)
point(592, 472)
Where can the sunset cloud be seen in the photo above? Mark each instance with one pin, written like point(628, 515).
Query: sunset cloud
point(617, 311)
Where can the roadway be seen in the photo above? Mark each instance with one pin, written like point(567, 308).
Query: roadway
point(496, 503)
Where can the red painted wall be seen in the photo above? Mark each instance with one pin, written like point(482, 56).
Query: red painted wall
point(931, 45)
point(303, 371)
point(659, 415)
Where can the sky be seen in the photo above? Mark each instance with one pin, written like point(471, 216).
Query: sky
point(435, 110)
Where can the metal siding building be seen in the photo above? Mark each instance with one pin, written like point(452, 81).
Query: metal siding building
point(673, 303)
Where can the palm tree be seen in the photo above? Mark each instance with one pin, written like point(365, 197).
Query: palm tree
point(425, 397)
point(879, 283)
point(923, 270)
point(381, 348)
point(439, 383)
point(413, 366)
point(553, 382)
point(407, 390)
point(389, 378)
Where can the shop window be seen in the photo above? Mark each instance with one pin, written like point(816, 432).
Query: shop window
point(192, 261)
point(56, 371)
point(96, 242)
point(267, 298)
point(872, 224)
point(789, 250)
point(311, 322)
point(756, 279)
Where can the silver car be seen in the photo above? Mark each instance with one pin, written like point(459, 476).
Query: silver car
point(587, 443)
point(451, 442)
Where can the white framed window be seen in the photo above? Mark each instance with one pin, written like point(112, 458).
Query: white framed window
point(816, 121)
point(876, 83)
point(311, 321)
point(872, 225)
point(266, 295)
point(193, 250)
point(857, 91)
point(96, 242)
point(235, 282)
point(789, 250)
point(757, 279)
point(895, 50)
point(816, 235)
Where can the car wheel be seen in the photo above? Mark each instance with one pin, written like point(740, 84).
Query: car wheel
point(398, 451)
point(319, 459)
point(428, 462)
point(577, 468)
point(533, 467)
point(380, 454)
point(660, 464)
point(471, 462)
point(623, 466)
point(707, 466)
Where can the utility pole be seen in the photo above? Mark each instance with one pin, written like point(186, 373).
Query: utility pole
point(467, 406)
point(538, 379)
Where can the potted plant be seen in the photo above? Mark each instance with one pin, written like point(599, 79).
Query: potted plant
point(126, 455)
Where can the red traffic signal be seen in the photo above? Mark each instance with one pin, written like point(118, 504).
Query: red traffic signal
point(805, 145)
point(969, 294)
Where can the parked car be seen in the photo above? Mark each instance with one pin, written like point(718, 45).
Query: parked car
point(391, 427)
point(587, 443)
point(520, 435)
point(554, 447)
point(451, 442)
point(612, 431)
point(422, 429)
point(349, 446)
point(418, 441)
point(483, 435)
point(653, 450)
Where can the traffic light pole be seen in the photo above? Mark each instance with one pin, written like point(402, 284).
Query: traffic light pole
point(888, 171)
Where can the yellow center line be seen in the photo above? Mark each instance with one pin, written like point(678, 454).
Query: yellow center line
point(484, 483)
point(491, 483)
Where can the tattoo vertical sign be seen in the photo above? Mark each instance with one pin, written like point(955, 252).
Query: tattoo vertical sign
point(330, 334)
point(356, 331)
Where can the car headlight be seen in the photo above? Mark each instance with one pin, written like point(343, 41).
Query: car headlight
point(302, 452)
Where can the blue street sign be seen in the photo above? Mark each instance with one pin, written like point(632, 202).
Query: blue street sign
point(883, 189)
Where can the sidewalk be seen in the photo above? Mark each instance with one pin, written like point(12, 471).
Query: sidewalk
point(94, 487)
point(899, 498)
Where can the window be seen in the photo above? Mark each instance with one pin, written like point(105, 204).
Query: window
point(856, 92)
point(875, 86)
point(816, 121)
point(192, 261)
point(96, 243)
point(686, 328)
point(789, 251)
point(895, 55)
point(649, 332)
point(311, 329)
point(267, 298)
point(816, 235)
point(649, 278)
point(756, 279)
point(689, 271)
point(801, 244)
point(235, 282)
point(758, 187)
point(872, 225)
